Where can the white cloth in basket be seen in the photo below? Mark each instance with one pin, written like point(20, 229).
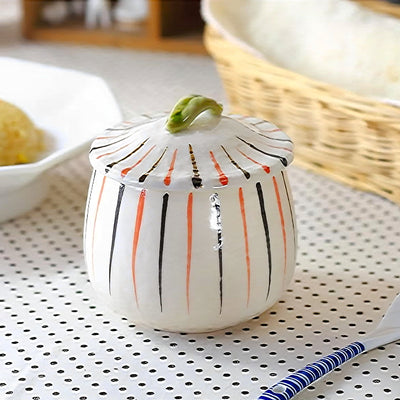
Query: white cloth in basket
point(335, 41)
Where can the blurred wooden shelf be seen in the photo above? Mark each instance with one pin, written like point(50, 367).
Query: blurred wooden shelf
point(382, 6)
point(172, 25)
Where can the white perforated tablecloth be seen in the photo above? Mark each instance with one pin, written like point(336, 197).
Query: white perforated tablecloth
point(58, 342)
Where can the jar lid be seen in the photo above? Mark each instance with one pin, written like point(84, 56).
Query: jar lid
point(212, 152)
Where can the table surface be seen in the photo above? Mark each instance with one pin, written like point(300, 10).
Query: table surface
point(56, 341)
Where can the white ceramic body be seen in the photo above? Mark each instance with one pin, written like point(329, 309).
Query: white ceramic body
point(190, 261)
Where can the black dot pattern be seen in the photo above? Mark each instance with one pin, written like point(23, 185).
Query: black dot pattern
point(58, 341)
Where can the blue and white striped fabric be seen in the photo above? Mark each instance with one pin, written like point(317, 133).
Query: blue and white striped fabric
point(294, 383)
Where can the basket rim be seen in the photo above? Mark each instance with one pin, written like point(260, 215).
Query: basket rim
point(377, 109)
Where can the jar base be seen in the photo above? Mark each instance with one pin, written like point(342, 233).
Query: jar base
point(179, 327)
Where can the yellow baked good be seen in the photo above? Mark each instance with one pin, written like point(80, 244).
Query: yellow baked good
point(20, 140)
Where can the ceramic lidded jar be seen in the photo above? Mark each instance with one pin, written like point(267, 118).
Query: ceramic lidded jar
point(190, 224)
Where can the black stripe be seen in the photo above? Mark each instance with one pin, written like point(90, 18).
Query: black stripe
point(282, 159)
point(108, 144)
point(245, 173)
point(217, 207)
point(154, 166)
point(88, 202)
point(273, 138)
point(132, 124)
point(219, 236)
point(196, 179)
point(119, 129)
point(266, 230)
point(290, 209)
point(109, 166)
point(161, 249)
point(116, 216)
point(269, 137)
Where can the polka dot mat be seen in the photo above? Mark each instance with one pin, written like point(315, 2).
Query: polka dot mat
point(58, 341)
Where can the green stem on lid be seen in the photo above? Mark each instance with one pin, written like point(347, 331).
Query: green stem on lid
point(187, 109)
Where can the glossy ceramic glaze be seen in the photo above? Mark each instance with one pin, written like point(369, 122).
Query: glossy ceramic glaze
point(193, 231)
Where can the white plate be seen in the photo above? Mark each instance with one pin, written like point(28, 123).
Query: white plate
point(70, 106)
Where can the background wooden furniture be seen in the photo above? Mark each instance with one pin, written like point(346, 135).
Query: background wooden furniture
point(382, 6)
point(172, 25)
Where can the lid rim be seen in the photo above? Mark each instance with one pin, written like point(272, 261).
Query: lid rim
point(143, 155)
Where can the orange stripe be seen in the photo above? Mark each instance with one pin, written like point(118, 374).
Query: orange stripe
point(126, 170)
point(281, 148)
point(167, 179)
point(189, 244)
point(273, 130)
point(138, 224)
point(278, 198)
point(264, 167)
point(110, 137)
point(246, 241)
point(222, 177)
point(95, 221)
point(112, 152)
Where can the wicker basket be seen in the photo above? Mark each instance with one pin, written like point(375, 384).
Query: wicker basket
point(342, 135)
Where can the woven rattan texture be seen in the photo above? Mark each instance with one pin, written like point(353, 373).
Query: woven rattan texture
point(58, 342)
point(337, 133)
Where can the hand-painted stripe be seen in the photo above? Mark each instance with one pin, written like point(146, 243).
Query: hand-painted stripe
point(282, 159)
point(125, 171)
point(89, 199)
point(161, 248)
point(109, 166)
point(124, 128)
point(129, 125)
point(114, 232)
point(260, 132)
point(112, 152)
point(189, 215)
point(246, 240)
point(278, 199)
point(153, 167)
point(108, 144)
point(252, 125)
point(136, 235)
point(167, 179)
point(196, 179)
point(264, 167)
point(290, 209)
point(288, 149)
point(266, 231)
point(245, 173)
point(95, 220)
point(272, 131)
point(217, 223)
point(222, 177)
point(127, 130)
point(110, 136)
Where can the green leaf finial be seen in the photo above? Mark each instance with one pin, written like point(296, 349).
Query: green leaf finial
point(188, 108)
